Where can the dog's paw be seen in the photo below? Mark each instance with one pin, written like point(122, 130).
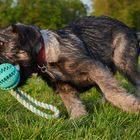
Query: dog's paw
point(76, 114)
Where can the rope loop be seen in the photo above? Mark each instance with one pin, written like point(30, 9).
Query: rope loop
point(30, 103)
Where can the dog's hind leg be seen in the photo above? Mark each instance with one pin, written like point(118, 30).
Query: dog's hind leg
point(111, 89)
point(71, 100)
point(126, 59)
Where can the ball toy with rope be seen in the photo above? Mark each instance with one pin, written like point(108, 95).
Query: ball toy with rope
point(9, 76)
point(9, 79)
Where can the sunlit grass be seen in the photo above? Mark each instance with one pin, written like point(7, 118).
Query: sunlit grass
point(104, 121)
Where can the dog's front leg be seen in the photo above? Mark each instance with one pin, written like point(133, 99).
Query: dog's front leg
point(71, 100)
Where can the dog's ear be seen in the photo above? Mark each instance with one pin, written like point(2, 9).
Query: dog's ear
point(24, 29)
point(16, 28)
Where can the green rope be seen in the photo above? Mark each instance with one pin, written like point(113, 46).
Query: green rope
point(30, 103)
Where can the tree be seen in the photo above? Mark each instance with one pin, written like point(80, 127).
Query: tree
point(127, 11)
point(43, 13)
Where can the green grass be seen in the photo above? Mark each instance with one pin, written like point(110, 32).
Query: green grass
point(104, 121)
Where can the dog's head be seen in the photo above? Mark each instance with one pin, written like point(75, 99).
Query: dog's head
point(17, 43)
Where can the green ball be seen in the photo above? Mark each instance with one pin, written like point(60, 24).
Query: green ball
point(9, 76)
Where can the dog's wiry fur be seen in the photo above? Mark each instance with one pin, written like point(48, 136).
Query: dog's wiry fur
point(84, 54)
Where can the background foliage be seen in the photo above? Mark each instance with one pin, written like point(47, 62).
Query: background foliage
point(55, 14)
point(43, 13)
point(127, 11)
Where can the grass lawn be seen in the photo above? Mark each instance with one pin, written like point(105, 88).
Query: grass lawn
point(104, 121)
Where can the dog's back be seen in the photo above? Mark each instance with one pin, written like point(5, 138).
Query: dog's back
point(98, 34)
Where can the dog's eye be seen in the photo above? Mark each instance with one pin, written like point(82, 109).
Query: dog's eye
point(1, 43)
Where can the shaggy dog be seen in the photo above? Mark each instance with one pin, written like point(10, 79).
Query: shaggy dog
point(86, 53)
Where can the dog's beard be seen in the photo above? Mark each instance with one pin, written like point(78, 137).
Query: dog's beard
point(5, 59)
point(26, 67)
point(2, 60)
